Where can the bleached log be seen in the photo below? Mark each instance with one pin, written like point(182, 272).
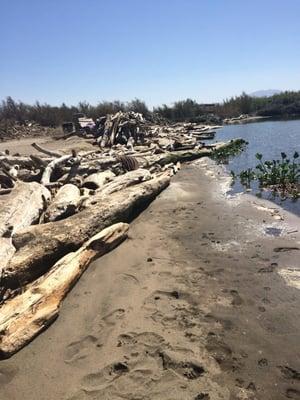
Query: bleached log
point(51, 166)
point(19, 209)
point(39, 247)
point(64, 204)
point(98, 180)
point(22, 206)
point(46, 151)
point(26, 315)
point(119, 183)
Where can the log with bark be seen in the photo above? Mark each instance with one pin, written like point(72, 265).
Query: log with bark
point(39, 247)
point(26, 315)
point(64, 204)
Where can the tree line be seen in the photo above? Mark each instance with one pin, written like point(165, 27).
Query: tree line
point(283, 104)
point(47, 115)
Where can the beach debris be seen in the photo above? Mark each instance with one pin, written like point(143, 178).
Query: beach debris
point(24, 316)
point(64, 203)
point(53, 203)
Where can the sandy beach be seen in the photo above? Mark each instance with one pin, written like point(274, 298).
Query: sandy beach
point(199, 303)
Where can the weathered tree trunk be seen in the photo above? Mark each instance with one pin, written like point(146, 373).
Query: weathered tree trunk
point(19, 209)
point(121, 182)
point(184, 156)
point(98, 180)
point(39, 247)
point(22, 206)
point(46, 151)
point(26, 315)
point(64, 204)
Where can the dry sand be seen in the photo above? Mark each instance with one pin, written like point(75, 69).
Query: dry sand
point(191, 307)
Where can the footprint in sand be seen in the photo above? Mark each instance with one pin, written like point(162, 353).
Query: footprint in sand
point(101, 379)
point(284, 249)
point(7, 374)
point(113, 317)
point(268, 269)
point(202, 396)
point(221, 352)
point(293, 394)
point(187, 369)
point(140, 341)
point(80, 349)
point(236, 298)
point(289, 373)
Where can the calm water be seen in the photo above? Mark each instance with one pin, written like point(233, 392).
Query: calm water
point(269, 138)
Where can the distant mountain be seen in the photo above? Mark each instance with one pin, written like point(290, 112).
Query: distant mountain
point(265, 93)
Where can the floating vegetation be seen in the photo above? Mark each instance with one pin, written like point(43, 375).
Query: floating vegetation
point(223, 155)
point(281, 176)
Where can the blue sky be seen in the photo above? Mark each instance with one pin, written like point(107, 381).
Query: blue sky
point(158, 50)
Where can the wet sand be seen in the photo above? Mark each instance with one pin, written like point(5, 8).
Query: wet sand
point(192, 306)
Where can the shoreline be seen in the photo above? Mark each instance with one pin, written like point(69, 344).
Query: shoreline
point(191, 305)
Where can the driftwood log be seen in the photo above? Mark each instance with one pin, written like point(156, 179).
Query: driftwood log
point(119, 183)
point(98, 179)
point(50, 153)
point(25, 316)
point(39, 247)
point(64, 204)
point(22, 206)
point(19, 209)
point(51, 166)
point(189, 155)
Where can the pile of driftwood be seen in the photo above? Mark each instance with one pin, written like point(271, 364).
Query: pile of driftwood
point(129, 128)
point(60, 211)
point(16, 130)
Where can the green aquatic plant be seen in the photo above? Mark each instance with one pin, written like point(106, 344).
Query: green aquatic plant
point(223, 155)
point(282, 176)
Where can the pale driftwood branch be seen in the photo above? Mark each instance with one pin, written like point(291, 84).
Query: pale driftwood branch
point(50, 153)
point(39, 247)
point(40, 162)
point(26, 315)
point(51, 166)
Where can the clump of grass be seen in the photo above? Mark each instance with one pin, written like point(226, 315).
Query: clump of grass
point(281, 176)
